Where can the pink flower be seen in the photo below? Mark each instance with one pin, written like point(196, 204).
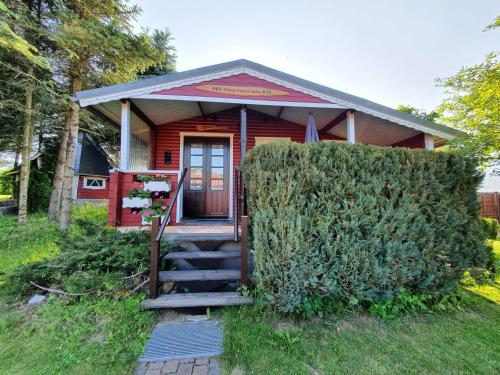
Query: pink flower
point(157, 175)
point(134, 212)
point(145, 204)
point(163, 207)
point(157, 193)
point(147, 213)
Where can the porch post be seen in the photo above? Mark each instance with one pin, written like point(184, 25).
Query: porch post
point(351, 131)
point(152, 148)
point(243, 134)
point(428, 142)
point(125, 136)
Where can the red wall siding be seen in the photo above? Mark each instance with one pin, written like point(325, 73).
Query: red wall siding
point(115, 204)
point(417, 141)
point(242, 80)
point(120, 184)
point(168, 139)
point(84, 193)
point(258, 125)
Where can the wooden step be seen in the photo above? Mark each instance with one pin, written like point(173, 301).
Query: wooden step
point(165, 301)
point(202, 255)
point(199, 237)
point(200, 275)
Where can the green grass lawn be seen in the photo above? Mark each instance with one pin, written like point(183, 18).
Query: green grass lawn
point(94, 336)
point(106, 335)
point(460, 342)
point(38, 239)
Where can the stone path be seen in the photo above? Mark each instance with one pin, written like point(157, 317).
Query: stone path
point(181, 342)
point(198, 366)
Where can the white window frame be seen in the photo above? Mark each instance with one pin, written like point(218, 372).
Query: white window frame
point(86, 180)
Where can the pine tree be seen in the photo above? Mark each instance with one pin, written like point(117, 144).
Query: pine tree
point(96, 46)
point(21, 32)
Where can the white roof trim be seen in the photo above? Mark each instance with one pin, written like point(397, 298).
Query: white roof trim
point(145, 93)
point(238, 101)
point(158, 87)
point(350, 105)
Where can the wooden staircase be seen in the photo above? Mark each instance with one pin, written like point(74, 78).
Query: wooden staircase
point(206, 269)
point(219, 267)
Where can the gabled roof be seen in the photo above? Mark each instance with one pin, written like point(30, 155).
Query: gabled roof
point(178, 79)
point(36, 157)
point(90, 158)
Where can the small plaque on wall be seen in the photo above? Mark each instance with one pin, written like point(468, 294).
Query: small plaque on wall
point(167, 157)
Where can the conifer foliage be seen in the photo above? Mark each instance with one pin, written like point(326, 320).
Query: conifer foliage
point(360, 223)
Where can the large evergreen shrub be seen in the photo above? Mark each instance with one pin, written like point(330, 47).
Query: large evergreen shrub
point(360, 223)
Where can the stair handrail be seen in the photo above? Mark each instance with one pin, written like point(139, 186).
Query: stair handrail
point(171, 206)
point(236, 200)
point(156, 233)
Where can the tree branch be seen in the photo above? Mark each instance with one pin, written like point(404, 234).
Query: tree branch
point(56, 290)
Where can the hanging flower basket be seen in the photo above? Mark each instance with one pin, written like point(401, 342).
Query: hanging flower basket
point(145, 222)
point(155, 209)
point(136, 202)
point(157, 186)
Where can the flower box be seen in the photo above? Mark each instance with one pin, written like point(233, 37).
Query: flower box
point(143, 222)
point(157, 186)
point(136, 202)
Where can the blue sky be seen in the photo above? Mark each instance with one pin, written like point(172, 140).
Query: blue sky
point(387, 51)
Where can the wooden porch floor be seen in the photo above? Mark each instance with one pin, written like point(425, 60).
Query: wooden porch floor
point(192, 232)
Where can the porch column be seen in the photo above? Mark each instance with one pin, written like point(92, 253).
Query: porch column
point(428, 141)
point(351, 131)
point(125, 136)
point(243, 134)
point(152, 148)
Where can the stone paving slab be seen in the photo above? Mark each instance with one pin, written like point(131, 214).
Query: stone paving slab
point(193, 366)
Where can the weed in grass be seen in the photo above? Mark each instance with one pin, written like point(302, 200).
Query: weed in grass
point(284, 339)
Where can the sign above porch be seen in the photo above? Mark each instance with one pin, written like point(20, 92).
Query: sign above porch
point(242, 86)
point(242, 90)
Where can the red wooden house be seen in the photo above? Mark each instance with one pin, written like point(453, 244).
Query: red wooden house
point(207, 119)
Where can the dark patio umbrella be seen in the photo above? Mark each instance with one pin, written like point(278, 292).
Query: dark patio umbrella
point(311, 131)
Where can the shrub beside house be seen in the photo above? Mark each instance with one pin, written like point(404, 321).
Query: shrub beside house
point(360, 224)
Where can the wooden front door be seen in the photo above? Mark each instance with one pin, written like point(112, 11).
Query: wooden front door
point(206, 189)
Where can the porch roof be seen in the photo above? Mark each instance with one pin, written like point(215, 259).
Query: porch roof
point(330, 104)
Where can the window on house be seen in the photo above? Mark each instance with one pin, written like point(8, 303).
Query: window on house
point(94, 183)
point(262, 140)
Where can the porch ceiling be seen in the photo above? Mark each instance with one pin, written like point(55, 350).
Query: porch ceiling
point(369, 129)
point(373, 131)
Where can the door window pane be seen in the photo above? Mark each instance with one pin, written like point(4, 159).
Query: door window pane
point(217, 173)
point(196, 173)
point(216, 184)
point(196, 161)
point(217, 161)
point(217, 149)
point(195, 184)
point(196, 149)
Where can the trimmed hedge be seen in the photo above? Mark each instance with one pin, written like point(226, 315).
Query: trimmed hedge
point(360, 223)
